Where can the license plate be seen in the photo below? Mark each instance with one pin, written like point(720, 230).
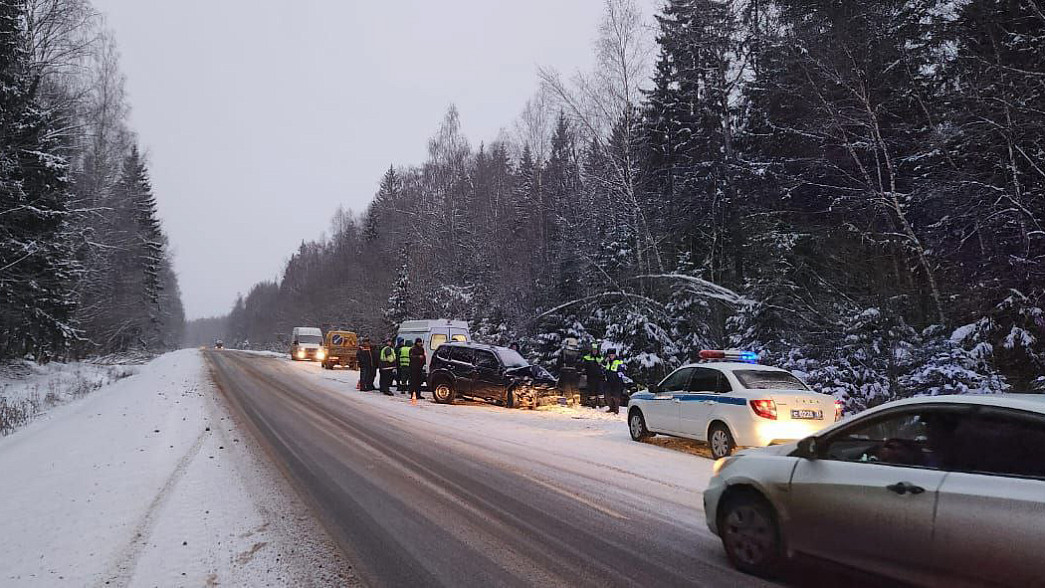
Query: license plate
point(817, 415)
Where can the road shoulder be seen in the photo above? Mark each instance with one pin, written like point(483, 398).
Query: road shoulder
point(150, 482)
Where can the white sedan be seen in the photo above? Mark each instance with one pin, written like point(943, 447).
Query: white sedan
point(940, 491)
point(731, 404)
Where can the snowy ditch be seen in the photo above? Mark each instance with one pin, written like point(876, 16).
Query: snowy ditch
point(29, 390)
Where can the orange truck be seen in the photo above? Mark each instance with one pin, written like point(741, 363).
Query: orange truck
point(341, 347)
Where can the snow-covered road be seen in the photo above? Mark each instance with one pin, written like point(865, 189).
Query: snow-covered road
point(162, 479)
point(478, 495)
point(147, 482)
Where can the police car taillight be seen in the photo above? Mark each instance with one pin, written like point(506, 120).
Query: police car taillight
point(730, 354)
point(764, 408)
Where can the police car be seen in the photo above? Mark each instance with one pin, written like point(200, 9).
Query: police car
point(731, 401)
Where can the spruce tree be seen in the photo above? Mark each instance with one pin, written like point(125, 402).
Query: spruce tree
point(399, 305)
point(38, 268)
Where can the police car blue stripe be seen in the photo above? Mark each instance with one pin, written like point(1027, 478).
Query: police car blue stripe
point(712, 397)
point(693, 398)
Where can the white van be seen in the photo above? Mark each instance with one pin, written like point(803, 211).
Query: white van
point(434, 333)
point(306, 343)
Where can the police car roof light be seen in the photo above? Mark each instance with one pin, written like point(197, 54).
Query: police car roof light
point(731, 354)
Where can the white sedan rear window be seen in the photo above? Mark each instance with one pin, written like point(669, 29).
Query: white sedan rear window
point(768, 380)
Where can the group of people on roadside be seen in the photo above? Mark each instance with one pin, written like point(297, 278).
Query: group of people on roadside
point(400, 364)
point(604, 373)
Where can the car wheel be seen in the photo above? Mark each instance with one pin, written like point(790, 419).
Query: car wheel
point(637, 426)
point(720, 440)
point(751, 535)
point(443, 393)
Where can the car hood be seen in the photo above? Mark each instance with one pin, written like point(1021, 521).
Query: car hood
point(783, 449)
point(536, 373)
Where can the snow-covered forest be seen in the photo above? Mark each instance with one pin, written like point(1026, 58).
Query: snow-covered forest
point(84, 263)
point(854, 189)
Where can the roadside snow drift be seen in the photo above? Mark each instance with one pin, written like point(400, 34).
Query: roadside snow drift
point(148, 482)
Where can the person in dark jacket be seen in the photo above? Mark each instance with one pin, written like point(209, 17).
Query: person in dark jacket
point(387, 364)
point(375, 363)
point(614, 384)
point(593, 372)
point(365, 360)
point(567, 363)
point(417, 368)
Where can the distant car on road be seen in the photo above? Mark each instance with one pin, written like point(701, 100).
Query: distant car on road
point(730, 404)
point(219, 344)
point(938, 490)
point(306, 343)
point(488, 372)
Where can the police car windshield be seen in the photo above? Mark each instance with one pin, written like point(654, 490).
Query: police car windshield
point(511, 358)
point(768, 380)
point(303, 339)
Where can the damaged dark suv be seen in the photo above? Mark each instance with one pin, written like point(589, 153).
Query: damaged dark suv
point(488, 372)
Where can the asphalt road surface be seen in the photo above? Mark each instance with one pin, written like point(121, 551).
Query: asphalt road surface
point(417, 502)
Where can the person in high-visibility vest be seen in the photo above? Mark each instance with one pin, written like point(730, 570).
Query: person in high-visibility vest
point(614, 385)
point(404, 368)
point(593, 372)
point(387, 363)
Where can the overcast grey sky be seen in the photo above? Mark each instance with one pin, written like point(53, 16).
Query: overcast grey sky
point(260, 117)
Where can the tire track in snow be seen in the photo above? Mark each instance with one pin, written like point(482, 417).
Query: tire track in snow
point(122, 569)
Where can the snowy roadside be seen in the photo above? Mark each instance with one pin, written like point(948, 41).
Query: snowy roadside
point(29, 390)
point(149, 483)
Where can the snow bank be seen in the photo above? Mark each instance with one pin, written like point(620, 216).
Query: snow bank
point(28, 390)
point(148, 482)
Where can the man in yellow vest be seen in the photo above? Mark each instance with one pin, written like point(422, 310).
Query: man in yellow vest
point(593, 372)
point(387, 363)
point(614, 385)
point(404, 368)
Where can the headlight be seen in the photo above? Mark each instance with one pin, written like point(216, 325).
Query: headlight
point(301, 353)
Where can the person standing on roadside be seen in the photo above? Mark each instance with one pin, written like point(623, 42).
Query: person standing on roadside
point(417, 368)
point(593, 373)
point(569, 358)
point(365, 360)
point(395, 363)
point(387, 363)
point(375, 353)
point(404, 367)
point(614, 385)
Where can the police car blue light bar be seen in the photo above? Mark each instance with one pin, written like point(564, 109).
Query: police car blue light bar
point(730, 355)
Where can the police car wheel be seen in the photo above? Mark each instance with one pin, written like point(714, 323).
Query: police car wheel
point(751, 535)
point(637, 426)
point(443, 393)
point(721, 441)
